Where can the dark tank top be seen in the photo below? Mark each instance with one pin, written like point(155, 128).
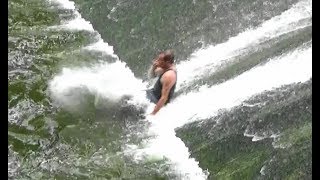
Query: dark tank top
point(156, 90)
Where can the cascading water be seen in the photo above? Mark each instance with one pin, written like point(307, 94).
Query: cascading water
point(77, 110)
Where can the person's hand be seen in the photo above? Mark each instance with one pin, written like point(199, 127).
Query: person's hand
point(152, 113)
point(158, 71)
point(150, 118)
point(155, 63)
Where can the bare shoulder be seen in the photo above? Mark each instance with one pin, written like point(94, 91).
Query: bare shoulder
point(169, 76)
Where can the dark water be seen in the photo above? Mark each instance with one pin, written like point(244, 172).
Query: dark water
point(286, 112)
point(243, 104)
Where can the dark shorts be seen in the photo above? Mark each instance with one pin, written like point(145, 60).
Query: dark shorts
point(151, 96)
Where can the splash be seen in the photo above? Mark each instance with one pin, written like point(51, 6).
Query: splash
point(208, 59)
point(101, 46)
point(107, 81)
point(110, 81)
point(295, 66)
point(77, 23)
point(65, 4)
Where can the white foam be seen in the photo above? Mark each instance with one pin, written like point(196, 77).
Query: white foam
point(107, 80)
point(207, 60)
point(293, 67)
point(103, 79)
point(112, 81)
point(255, 137)
point(80, 24)
point(166, 144)
point(76, 24)
point(288, 68)
point(66, 4)
point(101, 46)
point(258, 137)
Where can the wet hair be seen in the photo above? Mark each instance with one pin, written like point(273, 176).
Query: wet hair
point(169, 56)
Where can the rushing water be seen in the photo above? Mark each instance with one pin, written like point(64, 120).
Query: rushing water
point(77, 75)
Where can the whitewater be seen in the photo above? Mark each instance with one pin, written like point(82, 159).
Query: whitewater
point(110, 81)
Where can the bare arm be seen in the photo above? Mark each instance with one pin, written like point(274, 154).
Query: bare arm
point(167, 83)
